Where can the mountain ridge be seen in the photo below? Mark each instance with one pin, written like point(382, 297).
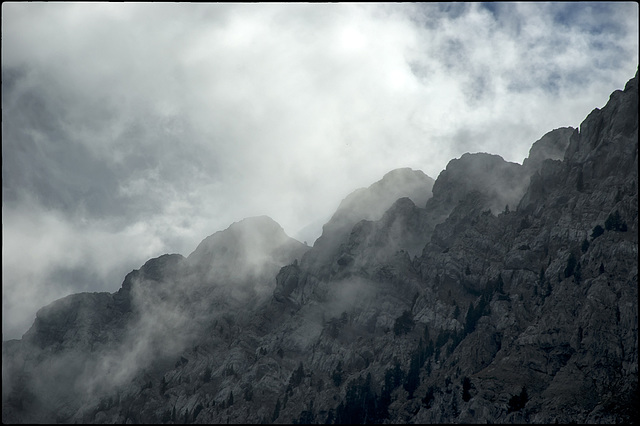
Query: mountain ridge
point(509, 295)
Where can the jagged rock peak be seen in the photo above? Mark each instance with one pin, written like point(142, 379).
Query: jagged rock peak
point(605, 149)
point(253, 247)
point(373, 201)
point(259, 231)
point(501, 181)
point(552, 145)
point(158, 268)
point(478, 171)
point(80, 311)
point(259, 224)
point(369, 204)
point(415, 183)
point(611, 132)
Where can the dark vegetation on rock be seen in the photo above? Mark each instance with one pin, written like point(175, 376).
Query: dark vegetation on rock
point(499, 293)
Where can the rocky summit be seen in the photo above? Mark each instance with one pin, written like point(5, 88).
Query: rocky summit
point(498, 293)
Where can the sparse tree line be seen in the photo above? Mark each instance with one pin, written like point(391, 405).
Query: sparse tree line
point(362, 403)
point(613, 223)
point(367, 402)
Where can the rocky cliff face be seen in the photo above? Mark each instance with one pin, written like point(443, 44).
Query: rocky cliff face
point(365, 204)
point(504, 293)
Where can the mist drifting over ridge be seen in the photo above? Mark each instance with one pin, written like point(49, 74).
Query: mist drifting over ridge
point(490, 294)
point(134, 130)
point(456, 310)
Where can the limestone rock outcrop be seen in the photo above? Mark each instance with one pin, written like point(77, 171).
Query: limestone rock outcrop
point(366, 204)
point(501, 293)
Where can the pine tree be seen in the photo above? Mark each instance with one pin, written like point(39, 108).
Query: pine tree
point(404, 323)
point(597, 231)
point(297, 376)
point(517, 402)
point(466, 386)
point(454, 405)
point(276, 411)
point(426, 401)
point(207, 375)
point(580, 181)
point(500, 285)
point(578, 273)
point(197, 410)
point(337, 375)
point(393, 377)
point(413, 378)
point(571, 264)
point(615, 223)
point(470, 320)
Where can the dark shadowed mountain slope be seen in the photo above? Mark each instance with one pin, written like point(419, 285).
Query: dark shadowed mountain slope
point(548, 293)
point(510, 296)
point(87, 344)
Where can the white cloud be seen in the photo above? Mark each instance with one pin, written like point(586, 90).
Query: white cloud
point(41, 248)
point(183, 118)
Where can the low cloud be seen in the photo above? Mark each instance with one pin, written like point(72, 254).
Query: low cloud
point(46, 257)
point(132, 130)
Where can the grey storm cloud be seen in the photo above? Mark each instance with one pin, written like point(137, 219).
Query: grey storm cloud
point(132, 130)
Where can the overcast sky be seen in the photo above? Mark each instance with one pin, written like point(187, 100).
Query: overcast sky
point(134, 130)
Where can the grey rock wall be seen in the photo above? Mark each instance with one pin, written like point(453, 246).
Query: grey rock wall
point(501, 293)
